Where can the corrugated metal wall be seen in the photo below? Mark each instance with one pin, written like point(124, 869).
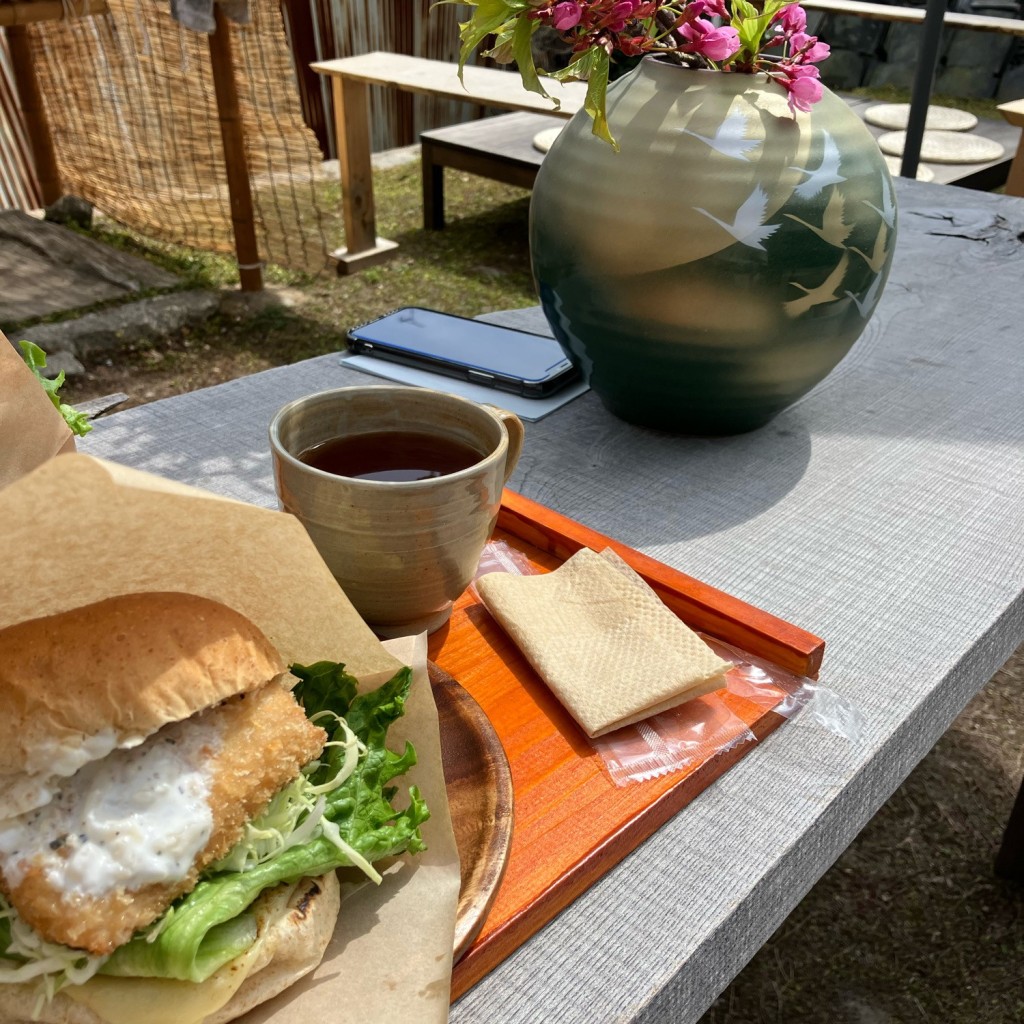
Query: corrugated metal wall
point(18, 187)
point(343, 28)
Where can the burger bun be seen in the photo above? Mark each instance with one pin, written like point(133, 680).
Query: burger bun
point(295, 927)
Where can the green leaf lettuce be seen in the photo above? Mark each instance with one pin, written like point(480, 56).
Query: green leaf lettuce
point(35, 357)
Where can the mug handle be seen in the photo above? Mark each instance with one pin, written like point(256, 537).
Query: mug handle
point(514, 428)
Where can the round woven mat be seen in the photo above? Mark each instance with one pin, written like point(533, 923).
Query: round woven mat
point(945, 147)
point(894, 163)
point(896, 115)
point(544, 140)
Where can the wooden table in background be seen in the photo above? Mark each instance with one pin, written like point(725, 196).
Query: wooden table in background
point(499, 147)
point(986, 176)
point(1013, 112)
point(502, 148)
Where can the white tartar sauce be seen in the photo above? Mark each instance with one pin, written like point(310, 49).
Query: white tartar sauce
point(136, 817)
point(47, 762)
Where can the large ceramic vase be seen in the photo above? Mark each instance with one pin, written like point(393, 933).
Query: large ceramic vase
point(723, 261)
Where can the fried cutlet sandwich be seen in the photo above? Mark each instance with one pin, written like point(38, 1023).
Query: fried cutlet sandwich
point(174, 805)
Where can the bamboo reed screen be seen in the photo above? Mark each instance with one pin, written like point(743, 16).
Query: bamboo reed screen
point(130, 101)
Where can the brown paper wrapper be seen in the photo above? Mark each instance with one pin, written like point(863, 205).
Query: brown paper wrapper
point(78, 530)
point(31, 429)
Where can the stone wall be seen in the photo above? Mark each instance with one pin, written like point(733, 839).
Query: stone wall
point(972, 64)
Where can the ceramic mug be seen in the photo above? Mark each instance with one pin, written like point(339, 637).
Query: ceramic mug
point(403, 551)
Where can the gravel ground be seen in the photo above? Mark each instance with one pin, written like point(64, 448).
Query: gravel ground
point(910, 924)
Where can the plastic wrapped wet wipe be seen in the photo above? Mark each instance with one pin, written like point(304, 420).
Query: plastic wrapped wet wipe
point(686, 736)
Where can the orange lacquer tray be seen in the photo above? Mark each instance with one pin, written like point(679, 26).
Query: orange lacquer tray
point(572, 823)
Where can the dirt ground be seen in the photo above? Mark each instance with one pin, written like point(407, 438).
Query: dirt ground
point(148, 372)
point(910, 924)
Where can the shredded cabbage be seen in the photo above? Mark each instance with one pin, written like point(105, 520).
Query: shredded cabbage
point(295, 815)
point(26, 956)
point(331, 831)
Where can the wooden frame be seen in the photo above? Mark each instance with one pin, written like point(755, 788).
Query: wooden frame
point(34, 115)
point(14, 17)
point(236, 163)
point(27, 12)
point(1014, 114)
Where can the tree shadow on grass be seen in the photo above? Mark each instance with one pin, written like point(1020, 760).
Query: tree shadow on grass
point(496, 238)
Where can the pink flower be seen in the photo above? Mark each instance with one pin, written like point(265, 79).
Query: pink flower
point(807, 50)
point(715, 8)
point(620, 13)
point(566, 15)
point(802, 84)
point(791, 19)
point(709, 41)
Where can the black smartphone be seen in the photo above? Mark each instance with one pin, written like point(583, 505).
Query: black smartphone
point(531, 365)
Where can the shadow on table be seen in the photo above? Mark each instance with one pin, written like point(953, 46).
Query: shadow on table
point(703, 485)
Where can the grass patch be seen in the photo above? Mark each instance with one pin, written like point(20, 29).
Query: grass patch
point(197, 269)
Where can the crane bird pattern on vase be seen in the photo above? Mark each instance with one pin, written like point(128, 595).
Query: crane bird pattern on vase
point(723, 262)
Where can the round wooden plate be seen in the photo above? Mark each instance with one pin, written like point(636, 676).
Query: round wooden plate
point(479, 785)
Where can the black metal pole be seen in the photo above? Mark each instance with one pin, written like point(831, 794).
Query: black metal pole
point(924, 77)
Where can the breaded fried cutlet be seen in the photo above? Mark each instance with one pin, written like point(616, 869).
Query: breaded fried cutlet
point(231, 758)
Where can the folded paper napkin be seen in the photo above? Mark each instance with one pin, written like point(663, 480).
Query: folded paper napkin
point(602, 640)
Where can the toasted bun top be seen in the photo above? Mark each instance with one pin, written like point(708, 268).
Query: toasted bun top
point(74, 686)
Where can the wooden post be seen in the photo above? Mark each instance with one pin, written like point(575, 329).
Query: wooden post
point(352, 119)
point(1010, 859)
point(26, 12)
point(243, 220)
point(1014, 113)
point(36, 125)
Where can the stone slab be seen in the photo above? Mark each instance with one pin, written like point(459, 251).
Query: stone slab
point(46, 268)
point(145, 320)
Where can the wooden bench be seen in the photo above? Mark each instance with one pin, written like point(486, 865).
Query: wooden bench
point(351, 78)
point(499, 147)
